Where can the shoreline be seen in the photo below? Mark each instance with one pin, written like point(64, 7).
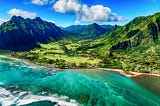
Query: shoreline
point(130, 73)
point(120, 71)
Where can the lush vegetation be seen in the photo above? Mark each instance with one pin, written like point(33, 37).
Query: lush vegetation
point(89, 31)
point(132, 47)
point(19, 34)
point(62, 54)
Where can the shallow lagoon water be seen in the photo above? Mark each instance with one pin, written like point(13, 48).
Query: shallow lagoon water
point(31, 85)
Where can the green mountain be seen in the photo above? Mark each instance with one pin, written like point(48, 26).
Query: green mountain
point(19, 34)
point(134, 46)
point(89, 31)
point(141, 31)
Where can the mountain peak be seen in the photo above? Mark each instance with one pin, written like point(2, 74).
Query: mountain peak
point(16, 18)
point(94, 24)
point(38, 19)
point(157, 14)
point(89, 31)
point(19, 34)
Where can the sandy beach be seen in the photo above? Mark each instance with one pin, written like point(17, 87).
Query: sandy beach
point(120, 71)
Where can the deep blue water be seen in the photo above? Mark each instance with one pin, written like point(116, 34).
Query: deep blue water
point(31, 85)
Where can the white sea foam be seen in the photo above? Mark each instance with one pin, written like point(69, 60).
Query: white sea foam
point(23, 98)
point(6, 98)
point(34, 98)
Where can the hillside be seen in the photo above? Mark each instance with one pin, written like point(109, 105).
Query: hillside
point(132, 47)
point(89, 31)
point(19, 34)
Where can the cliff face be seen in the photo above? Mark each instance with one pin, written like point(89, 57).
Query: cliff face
point(140, 31)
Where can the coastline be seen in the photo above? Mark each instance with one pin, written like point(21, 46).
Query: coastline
point(120, 71)
point(28, 62)
point(130, 73)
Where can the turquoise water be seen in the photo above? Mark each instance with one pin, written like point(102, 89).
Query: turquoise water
point(30, 85)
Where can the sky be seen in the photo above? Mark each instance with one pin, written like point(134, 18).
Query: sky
point(69, 12)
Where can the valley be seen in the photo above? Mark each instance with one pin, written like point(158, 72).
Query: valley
point(132, 47)
point(80, 53)
point(60, 55)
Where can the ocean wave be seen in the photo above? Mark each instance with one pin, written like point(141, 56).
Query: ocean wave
point(24, 98)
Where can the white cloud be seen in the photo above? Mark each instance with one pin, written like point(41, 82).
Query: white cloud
point(96, 13)
point(84, 13)
point(2, 21)
point(42, 2)
point(19, 12)
point(64, 6)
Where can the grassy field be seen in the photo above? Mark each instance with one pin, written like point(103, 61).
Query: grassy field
point(62, 54)
point(73, 59)
point(93, 54)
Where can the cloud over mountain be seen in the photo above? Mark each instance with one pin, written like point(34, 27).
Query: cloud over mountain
point(84, 13)
point(22, 13)
point(64, 6)
point(97, 13)
point(2, 20)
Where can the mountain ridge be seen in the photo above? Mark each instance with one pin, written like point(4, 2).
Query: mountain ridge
point(89, 31)
point(19, 34)
point(132, 47)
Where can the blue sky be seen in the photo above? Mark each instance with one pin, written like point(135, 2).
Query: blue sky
point(68, 12)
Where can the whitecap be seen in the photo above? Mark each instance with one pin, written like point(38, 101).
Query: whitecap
point(53, 98)
point(6, 98)
point(23, 98)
